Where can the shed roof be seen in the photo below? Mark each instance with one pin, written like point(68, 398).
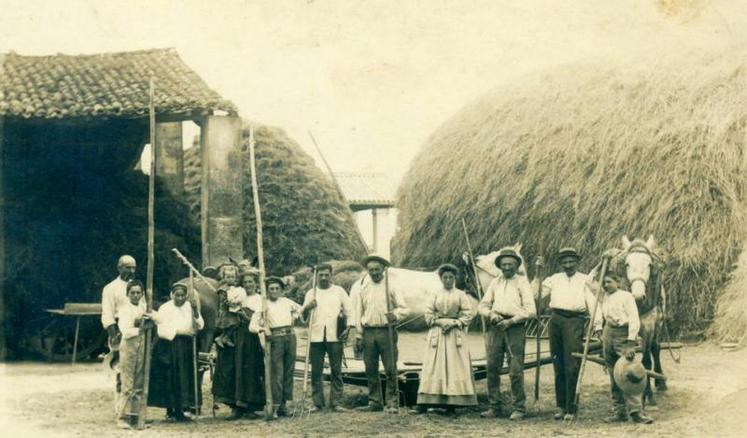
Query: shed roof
point(107, 85)
point(367, 189)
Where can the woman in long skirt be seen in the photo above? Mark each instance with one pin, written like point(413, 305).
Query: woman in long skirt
point(239, 372)
point(446, 380)
point(172, 384)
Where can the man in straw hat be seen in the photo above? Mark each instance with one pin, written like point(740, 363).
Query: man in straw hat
point(507, 304)
point(571, 300)
point(374, 311)
point(619, 339)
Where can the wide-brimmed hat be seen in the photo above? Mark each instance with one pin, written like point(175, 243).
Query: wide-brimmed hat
point(447, 267)
point(376, 258)
point(273, 279)
point(630, 376)
point(568, 251)
point(507, 252)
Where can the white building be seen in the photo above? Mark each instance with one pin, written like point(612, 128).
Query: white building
point(371, 197)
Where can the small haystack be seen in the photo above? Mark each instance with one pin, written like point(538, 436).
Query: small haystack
point(305, 219)
point(584, 154)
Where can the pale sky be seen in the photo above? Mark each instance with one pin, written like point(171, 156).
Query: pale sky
point(372, 80)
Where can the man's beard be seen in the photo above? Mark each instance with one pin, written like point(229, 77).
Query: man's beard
point(126, 276)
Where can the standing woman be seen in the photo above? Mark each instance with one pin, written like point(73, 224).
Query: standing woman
point(172, 384)
point(239, 373)
point(446, 380)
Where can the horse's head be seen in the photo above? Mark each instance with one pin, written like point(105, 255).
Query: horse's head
point(639, 259)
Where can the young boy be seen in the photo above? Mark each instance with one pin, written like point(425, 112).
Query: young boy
point(278, 328)
point(619, 339)
point(131, 323)
point(172, 384)
point(230, 315)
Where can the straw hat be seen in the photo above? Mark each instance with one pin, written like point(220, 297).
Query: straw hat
point(630, 376)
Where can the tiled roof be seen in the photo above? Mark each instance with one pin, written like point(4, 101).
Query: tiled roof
point(365, 188)
point(102, 85)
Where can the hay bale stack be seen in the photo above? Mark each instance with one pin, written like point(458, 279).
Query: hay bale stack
point(305, 219)
point(584, 154)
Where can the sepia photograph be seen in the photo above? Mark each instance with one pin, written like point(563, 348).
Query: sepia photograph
point(413, 218)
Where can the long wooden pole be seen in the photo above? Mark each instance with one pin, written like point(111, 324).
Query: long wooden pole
point(602, 273)
point(390, 332)
point(262, 286)
point(193, 295)
point(538, 336)
point(478, 283)
point(151, 244)
point(308, 341)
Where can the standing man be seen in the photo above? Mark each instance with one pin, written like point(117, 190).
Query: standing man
point(327, 302)
point(571, 300)
point(621, 327)
point(114, 297)
point(281, 314)
point(373, 314)
point(507, 304)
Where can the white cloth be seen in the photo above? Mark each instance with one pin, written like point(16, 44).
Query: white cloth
point(253, 302)
point(235, 296)
point(370, 303)
point(113, 297)
point(329, 303)
point(280, 313)
point(571, 293)
point(509, 297)
point(128, 313)
point(173, 320)
point(619, 308)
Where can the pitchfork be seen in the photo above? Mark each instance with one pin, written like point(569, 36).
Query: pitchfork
point(299, 408)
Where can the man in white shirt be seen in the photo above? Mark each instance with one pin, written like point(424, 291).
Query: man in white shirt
point(114, 297)
point(621, 325)
point(507, 304)
point(326, 302)
point(571, 300)
point(281, 314)
point(373, 314)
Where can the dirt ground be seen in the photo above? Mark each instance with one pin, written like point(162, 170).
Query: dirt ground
point(707, 397)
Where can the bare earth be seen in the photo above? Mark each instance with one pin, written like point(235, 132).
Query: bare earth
point(707, 397)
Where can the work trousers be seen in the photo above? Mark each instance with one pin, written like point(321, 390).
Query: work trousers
point(283, 361)
point(613, 340)
point(500, 343)
point(566, 337)
point(376, 345)
point(334, 351)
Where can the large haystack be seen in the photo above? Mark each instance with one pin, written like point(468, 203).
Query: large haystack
point(305, 219)
point(584, 154)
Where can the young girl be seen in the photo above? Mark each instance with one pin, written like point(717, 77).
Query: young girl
point(230, 315)
point(172, 384)
point(131, 323)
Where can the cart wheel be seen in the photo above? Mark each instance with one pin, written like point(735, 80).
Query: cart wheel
point(55, 340)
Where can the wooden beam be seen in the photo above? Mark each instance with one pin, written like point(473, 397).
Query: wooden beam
point(204, 199)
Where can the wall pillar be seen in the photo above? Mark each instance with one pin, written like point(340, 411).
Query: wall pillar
point(375, 231)
point(221, 194)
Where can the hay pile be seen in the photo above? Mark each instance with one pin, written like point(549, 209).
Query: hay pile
point(70, 215)
point(305, 220)
point(584, 154)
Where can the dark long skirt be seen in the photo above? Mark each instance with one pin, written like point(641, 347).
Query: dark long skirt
point(239, 373)
point(172, 375)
